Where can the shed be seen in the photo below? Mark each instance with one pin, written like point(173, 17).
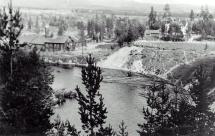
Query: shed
point(153, 33)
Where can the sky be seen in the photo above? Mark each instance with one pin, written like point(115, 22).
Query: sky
point(65, 3)
point(190, 2)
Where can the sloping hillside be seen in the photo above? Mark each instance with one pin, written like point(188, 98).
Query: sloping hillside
point(159, 58)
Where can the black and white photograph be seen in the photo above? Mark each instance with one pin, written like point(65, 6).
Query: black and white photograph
point(107, 68)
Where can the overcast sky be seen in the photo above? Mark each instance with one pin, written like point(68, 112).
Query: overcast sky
point(62, 3)
point(192, 2)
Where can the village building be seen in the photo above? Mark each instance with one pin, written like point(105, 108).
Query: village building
point(153, 33)
point(61, 43)
point(42, 43)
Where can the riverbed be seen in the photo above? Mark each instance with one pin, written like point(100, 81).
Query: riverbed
point(121, 97)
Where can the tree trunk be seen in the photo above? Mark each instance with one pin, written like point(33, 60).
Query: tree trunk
point(11, 64)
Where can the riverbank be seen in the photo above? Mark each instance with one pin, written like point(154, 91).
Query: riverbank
point(147, 57)
point(158, 58)
point(185, 72)
point(77, 57)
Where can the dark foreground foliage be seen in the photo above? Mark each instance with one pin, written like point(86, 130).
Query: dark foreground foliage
point(168, 115)
point(26, 102)
point(92, 109)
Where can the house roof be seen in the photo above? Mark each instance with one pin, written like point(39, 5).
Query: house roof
point(152, 31)
point(61, 39)
point(26, 38)
point(33, 39)
point(38, 39)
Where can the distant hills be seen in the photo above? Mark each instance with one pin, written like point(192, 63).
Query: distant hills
point(104, 4)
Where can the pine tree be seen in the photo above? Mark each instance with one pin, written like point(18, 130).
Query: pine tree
point(81, 28)
point(26, 99)
point(152, 18)
point(157, 113)
point(192, 15)
point(182, 118)
point(141, 30)
point(71, 130)
point(204, 118)
point(11, 27)
point(26, 92)
point(60, 128)
point(132, 34)
point(107, 131)
point(102, 31)
point(60, 30)
point(91, 106)
point(91, 28)
point(122, 128)
point(109, 26)
point(195, 117)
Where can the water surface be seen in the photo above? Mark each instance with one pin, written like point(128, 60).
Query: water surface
point(122, 100)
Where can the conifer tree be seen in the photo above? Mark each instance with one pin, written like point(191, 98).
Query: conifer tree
point(192, 15)
point(91, 106)
point(109, 26)
point(157, 112)
point(26, 99)
point(71, 130)
point(61, 128)
point(182, 118)
point(107, 131)
point(194, 117)
point(26, 92)
point(91, 28)
point(122, 131)
point(141, 30)
point(60, 30)
point(152, 18)
point(204, 118)
point(10, 29)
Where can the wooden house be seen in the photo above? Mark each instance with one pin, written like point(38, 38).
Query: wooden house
point(43, 43)
point(152, 33)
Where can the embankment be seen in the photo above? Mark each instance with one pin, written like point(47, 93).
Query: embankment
point(160, 58)
point(147, 57)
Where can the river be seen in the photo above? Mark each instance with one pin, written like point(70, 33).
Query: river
point(123, 100)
